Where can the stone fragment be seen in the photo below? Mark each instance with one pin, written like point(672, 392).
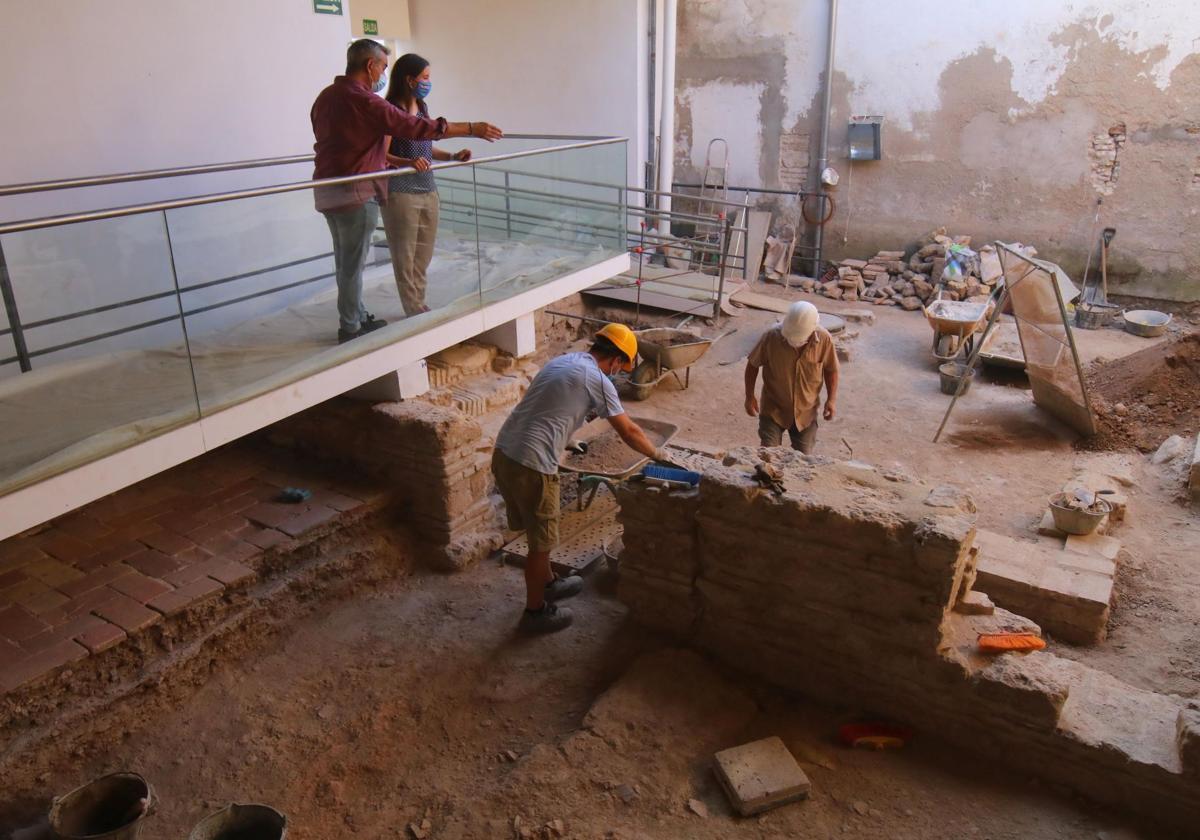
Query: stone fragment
point(1187, 736)
point(1047, 528)
point(975, 603)
point(1093, 544)
point(1194, 473)
point(860, 316)
point(861, 808)
point(949, 496)
point(760, 775)
point(910, 303)
point(698, 808)
point(1170, 449)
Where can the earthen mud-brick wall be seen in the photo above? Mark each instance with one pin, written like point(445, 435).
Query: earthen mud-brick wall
point(843, 589)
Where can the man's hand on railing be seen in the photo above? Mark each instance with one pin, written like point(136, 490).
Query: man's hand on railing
point(420, 164)
point(462, 155)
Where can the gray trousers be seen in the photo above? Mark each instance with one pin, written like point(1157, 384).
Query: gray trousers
point(770, 433)
point(352, 231)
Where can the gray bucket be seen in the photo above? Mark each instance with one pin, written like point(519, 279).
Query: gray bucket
point(242, 822)
point(1094, 316)
point(951, 373)
point(109, 808)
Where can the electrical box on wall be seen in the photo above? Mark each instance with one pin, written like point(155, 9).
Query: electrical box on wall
point(386, 19)
point(866, 141)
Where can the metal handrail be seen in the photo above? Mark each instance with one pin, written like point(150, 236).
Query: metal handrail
point(147, 175)
point(216, 198)
point(209, 168)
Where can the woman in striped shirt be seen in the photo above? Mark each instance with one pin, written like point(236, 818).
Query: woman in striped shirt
point(410, 216)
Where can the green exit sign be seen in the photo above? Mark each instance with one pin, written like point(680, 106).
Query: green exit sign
point(370, 27)
point(327, 7)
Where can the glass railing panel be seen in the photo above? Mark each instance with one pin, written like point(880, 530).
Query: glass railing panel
point(260, 293)
point(141, 323)
point(546, 215)
point(107, 356)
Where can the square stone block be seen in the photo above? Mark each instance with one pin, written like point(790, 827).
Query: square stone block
point(760, 775)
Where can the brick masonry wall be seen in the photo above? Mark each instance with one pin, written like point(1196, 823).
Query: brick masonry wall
point(435, 460)
point(843, 589)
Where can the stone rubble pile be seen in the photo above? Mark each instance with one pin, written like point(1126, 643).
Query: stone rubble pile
point(888, 279)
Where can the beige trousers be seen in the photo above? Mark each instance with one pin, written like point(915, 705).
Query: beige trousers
point(411, 221)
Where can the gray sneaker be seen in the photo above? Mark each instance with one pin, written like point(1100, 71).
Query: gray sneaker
point(549, 619)
point(561, 587)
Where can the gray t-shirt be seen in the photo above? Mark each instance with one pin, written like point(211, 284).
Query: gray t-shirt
point(557, 403)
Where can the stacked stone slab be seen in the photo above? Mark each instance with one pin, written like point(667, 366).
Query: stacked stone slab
point(888, 279)
point(436, 460)
point(844, 589)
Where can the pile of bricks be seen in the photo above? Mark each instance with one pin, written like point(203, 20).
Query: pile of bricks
point(888, 279)
point(856, 587)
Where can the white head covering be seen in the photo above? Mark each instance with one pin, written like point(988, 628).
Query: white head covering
point(799, 323)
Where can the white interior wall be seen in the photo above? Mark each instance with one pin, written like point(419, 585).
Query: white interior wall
point(538, 66)
point(126, 85)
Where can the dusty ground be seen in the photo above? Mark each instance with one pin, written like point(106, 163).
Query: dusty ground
point(1010, 455)
point(413, 700)
point(406, 702)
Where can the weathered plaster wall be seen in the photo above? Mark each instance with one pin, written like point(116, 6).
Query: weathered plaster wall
point(1007, 121)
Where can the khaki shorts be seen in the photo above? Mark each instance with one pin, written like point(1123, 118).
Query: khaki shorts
point(531, 499)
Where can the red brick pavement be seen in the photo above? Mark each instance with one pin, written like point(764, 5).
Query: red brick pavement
point(99, 575)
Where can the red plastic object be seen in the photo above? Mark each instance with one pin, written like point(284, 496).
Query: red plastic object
point(875, 736)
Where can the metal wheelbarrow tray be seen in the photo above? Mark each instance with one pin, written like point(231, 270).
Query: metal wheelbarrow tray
point(662, 358)
point(955, 322)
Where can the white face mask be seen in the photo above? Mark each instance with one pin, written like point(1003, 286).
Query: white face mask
point(381, 83)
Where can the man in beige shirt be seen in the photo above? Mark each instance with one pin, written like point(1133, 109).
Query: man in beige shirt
point(796, 357)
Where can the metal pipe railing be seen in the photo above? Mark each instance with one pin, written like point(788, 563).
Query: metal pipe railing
point(148, 175)
point(209, 168)
point(216, 198)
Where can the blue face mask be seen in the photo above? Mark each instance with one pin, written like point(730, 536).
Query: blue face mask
point(423, 88)
point(381, 84)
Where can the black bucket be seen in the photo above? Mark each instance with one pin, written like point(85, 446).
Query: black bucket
point(109, 808)
point(242, 822)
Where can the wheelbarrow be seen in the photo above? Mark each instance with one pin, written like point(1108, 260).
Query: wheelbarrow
point(954, 326)
point(665, 352)
point(606, 459)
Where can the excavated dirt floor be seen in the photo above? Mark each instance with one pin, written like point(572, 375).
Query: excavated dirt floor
point(1001, 447)
point(409, 707)
point(415, 700)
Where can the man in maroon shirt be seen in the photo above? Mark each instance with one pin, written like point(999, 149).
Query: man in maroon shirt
point(350, 123)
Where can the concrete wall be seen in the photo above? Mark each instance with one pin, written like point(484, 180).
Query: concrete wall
point(1001, 121)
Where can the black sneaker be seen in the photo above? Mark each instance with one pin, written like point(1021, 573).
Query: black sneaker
point(370, 323)
point(549, 619)
point(561, 587)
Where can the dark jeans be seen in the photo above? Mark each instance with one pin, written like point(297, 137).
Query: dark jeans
point(352, 231)
point(770, 433)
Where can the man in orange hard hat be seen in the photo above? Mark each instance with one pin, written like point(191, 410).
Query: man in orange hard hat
point(564, 395)
point(797, 358)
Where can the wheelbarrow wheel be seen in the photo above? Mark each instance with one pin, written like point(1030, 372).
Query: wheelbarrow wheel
point(643, 380)
point(945, 346)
